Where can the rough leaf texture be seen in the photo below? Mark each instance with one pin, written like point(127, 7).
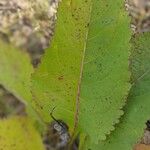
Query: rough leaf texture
point(19, 134)
point(85, 72)
point(137, 111)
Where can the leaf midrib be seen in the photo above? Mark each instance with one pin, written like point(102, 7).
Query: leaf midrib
point(76, 118)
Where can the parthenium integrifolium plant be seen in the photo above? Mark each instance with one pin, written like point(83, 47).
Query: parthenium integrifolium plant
point(85, 74)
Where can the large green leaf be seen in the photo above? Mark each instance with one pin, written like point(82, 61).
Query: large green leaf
point(137, 111)
point(85, 72)
point(15, 71)
point(18, 134)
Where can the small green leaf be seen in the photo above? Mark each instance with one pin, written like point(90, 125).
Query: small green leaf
point(137, 111)
point(18, 134)
point(15, 71)
point(85, 72)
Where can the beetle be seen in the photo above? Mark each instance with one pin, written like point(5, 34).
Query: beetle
point(62, 129)
point(148, 125)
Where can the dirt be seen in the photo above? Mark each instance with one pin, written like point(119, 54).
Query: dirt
point(142, 147)
point(28, 24)
point(139, 11)
point(10, 105)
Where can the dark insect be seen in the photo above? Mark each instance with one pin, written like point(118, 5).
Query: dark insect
point(57, 136)
point(148, 125)
point(62, 130)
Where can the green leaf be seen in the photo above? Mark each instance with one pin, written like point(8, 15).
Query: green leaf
point(18, 134)
point(85, 72)
point(137, 111)
point(15, 71)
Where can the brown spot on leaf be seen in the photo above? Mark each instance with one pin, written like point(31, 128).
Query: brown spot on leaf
point(61, 78)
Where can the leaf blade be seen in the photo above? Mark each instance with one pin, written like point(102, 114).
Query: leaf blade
point(137, 111)
point(57, 80)
point(15, 71)
point(105, 82)
point(18, 134)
